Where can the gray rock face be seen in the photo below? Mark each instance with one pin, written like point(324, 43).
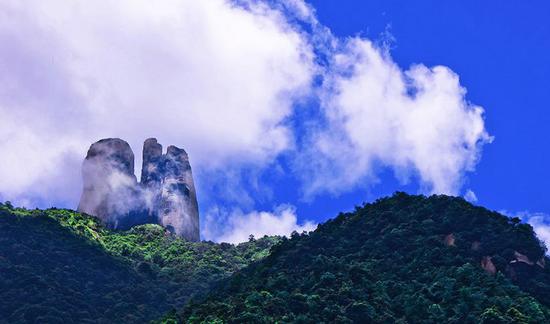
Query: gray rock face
point(166, 194)
point(152, 154)
point(109, 182)
point(169, 178)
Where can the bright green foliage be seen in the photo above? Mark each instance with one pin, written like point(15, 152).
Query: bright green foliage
point(387, 263)
point(62, 266)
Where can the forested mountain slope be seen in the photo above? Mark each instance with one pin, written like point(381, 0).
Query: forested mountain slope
point(63, 266)
point(401, 259)
point(404, 259)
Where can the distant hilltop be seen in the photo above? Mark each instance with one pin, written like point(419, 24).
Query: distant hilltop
point(166, 194)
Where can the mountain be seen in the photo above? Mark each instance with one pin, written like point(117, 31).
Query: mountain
point(165, 195)
point(61, 266)
point(402, 259)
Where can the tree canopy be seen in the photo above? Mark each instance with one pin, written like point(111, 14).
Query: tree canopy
point(58, 265)
point(402, 259)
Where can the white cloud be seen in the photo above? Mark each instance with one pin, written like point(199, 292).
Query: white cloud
point(210, 76)
point(416, 121)
point(470, 196)
point(236, 226)
point(221, 81)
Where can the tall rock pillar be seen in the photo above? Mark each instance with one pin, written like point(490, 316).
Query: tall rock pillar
point(152, 154)
point(169, 181)
point(110, 186)
point(178, 208)
point(165, 195)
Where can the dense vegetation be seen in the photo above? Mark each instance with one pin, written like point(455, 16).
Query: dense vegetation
point(403, 259)
point(62, 266)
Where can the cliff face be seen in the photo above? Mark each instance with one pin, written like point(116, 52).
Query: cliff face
point(169, 178)
point(110, 187)
point(166, 194)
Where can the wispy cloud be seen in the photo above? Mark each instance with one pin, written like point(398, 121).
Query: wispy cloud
point(470, 196)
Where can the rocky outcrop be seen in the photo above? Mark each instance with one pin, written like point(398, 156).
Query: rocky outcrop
point(449, 240)
point(488, 265)
point(110, 189)
point(169, 178)
point(166, 194)
point(522, 258)
point(152, 154)
point(519, 257)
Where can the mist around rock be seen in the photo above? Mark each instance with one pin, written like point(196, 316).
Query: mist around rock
point(166, 194)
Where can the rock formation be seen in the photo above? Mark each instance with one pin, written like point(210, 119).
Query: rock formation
point(110, 187)
point(488, 265)
point(169, 178)
point(449, 240)
point(166, 194)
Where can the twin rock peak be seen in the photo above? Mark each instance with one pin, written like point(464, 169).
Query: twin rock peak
point(165, 195)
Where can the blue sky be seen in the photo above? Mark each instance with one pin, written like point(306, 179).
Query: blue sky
point(291, 111)
point(500, 50)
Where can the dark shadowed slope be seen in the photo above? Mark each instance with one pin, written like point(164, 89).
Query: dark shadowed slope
point(62, 266)
point(407, 259)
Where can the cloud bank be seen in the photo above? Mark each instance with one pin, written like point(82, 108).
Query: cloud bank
point(224, 79)
point(215, 78)
point(415, 121)
point(236, 226)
